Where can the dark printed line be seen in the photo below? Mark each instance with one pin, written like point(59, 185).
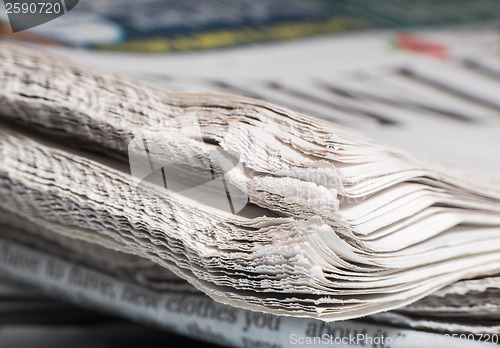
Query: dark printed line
point(164, 177)
point(231, 206)
point(299, 94)
point(449, 114)
point(148, 154)
point(452, 90)
point(248, 93)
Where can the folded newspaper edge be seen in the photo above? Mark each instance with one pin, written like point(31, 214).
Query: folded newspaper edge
point(253, 204)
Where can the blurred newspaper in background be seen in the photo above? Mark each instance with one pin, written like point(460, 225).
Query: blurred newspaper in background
point(163, 26)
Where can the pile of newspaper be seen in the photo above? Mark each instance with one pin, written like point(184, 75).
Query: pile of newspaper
point(255, 205)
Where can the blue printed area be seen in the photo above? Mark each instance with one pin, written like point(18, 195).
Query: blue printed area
point(177, 25)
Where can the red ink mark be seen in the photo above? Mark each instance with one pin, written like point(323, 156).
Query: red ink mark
point(409, 42)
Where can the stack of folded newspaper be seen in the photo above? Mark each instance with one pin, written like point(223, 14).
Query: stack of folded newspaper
point(255, 205)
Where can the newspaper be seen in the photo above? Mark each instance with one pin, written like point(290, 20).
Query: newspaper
point(253, 204)
point(197, 316)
